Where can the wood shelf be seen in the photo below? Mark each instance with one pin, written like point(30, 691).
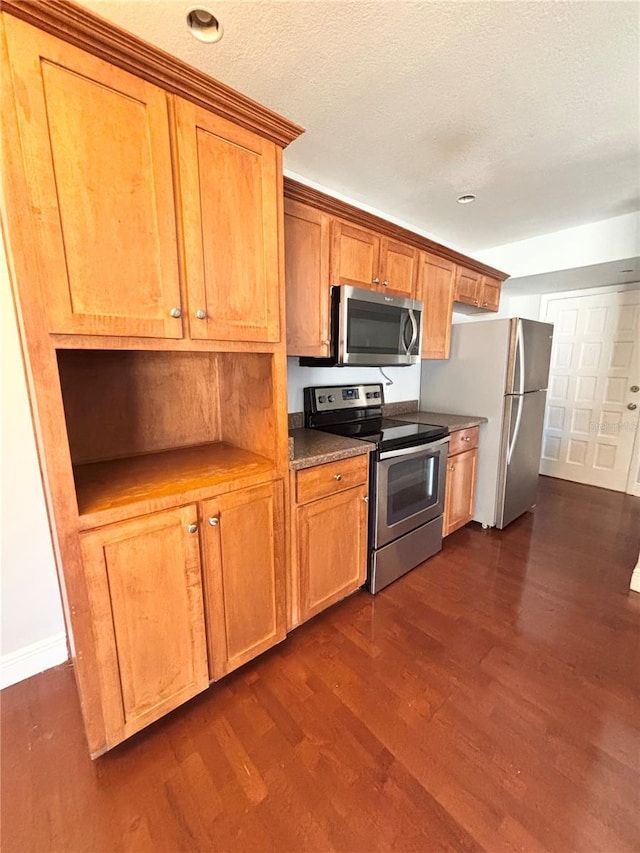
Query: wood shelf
point(123, 488)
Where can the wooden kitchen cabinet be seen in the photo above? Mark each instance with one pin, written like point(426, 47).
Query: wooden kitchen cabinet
point(229, 205)
point(329, 512)
point(398, 268)
point(491, 289)
point(468, 286)
point(243, 550)
point(96, 147)
point(307, 233)
point(436, 277)
point(461, 479)
point(145, 591)
point(355, 256)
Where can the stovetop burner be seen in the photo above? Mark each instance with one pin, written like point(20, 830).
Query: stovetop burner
point(355, 411)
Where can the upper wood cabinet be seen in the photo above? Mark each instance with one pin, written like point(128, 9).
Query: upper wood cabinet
point(243, 547)
point(355, 256)
point(229, 204)
point(145, 592)
point(307, 241)
point(398, 267)
point(435, 286)
point(97, 155)
point(468, 286)
point(491, 288)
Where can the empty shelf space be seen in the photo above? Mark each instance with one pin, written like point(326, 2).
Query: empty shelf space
point(115, 489)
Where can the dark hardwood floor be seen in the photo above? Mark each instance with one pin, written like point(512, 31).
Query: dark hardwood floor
point(488, 700)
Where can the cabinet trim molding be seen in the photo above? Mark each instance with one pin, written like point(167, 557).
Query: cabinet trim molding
point(76, 25)
point(353, 215)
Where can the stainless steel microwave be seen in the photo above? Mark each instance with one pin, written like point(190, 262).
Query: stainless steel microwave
point(372, 329)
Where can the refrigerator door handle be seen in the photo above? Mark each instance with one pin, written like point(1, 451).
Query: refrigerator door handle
point(521, 359)
point(516, 429)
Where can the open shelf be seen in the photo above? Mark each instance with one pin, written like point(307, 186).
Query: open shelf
point(120, 488)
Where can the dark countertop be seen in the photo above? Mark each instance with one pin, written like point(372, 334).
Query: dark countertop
point(453, 422)
point(314, 447)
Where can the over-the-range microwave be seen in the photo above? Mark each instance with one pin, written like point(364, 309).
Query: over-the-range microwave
point(371, 329)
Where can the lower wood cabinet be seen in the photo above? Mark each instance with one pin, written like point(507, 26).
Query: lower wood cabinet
point(461, 479)
point(145, 591)
point(167, 621)
point(243, 546)
point(329, 537)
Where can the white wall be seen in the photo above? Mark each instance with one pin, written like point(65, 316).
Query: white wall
point(511, 305)
point(406, 380)
point(32, 634)
point(612, 239)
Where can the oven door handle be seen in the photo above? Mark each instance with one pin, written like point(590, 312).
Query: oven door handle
point(415, 450)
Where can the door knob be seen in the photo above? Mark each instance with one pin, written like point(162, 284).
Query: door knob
point(632, 406)
point(635, 388)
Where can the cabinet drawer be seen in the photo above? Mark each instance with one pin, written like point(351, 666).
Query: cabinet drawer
point(332, 477)
point(463, 439)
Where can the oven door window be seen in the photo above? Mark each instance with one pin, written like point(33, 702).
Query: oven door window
point(412, 487)
point(377, 329)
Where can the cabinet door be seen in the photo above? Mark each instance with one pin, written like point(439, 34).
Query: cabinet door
point(355, 256)
point(96, 149)
point(398, 267)
point(332, 549)
point(307, 240)
point(145, 588)
point(460, 490)
point(231, 226)
point(491, 289)
point(244, 575)
point(468, 286)
point(435, 288)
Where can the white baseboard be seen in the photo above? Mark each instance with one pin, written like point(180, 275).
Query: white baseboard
point(23, 663)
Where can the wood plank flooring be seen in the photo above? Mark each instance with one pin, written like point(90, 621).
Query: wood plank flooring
point(488, 700)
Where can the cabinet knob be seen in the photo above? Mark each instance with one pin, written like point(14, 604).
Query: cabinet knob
point(366, 500)
point(376, 281)
point(635, 388)
point(201, 315)
point(175, 312)
point(337, 476)
point(466, 438)
point(327, 343)
point(632, 406)
point(385, 284)
point(192, 528)
point(484, 304)
point(451, 468)
point(214, 521)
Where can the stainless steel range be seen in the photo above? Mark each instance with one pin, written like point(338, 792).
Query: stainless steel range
point(406, 478)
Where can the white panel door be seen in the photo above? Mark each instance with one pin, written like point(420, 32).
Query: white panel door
point(592, 408)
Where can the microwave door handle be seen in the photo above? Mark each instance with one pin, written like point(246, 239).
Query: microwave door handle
point(403, 334)
point(414, 323)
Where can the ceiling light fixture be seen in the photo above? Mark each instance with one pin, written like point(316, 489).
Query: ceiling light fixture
point(204, 25)
point(466, 199)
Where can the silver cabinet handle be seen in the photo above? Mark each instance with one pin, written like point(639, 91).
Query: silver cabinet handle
point(376, 281)
point(451, 468)
point(326, 343)
point(632, 406)
point(366, 500)
point(175, 312)
point(466, 438)
point(201, 315)
point(192, 528)
point(214, 521)
point(385, 284)
point(337, 476)
point(635, 388)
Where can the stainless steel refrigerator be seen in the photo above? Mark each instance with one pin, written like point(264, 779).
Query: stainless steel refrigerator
point(498, 369)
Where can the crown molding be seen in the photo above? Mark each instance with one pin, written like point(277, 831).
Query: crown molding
point(76, 25)
point(307, 195)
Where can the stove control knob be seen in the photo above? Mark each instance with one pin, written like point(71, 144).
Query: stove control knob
point(322, 399)
point(376, 393)
point(331, 398)
point(369, 395)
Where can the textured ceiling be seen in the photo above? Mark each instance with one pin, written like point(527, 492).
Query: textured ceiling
point(532, 106)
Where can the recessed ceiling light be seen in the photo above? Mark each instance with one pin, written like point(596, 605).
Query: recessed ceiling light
point(466, 199)
point(204, 25)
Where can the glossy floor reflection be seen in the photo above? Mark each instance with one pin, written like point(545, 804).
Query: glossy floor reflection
point(488, 700)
